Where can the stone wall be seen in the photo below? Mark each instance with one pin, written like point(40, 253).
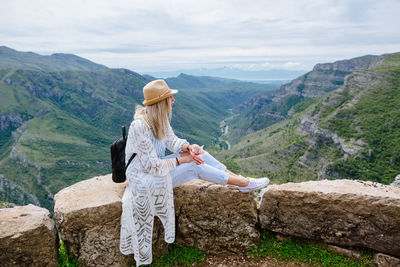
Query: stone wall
point(214, 218)
point(211, 217)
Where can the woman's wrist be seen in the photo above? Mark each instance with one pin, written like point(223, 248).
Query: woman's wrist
point(177, 162)
point(187, 148)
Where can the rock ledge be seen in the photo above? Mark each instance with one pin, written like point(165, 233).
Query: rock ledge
point(27, 237)
point(342, 212)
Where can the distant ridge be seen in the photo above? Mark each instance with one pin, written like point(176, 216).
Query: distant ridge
point(185, 81)
point(268, 108)
point(56, 62)
point(234, 73)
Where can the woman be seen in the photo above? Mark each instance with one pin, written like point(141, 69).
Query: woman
point(152, 175)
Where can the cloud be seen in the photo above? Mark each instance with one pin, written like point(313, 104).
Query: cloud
point(158, 35)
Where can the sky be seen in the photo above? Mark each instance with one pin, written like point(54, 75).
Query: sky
point(148, 36)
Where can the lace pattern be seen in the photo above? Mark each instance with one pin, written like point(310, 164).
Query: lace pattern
point(148, 192)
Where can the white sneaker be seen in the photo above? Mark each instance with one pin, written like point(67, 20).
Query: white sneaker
point(254, 184)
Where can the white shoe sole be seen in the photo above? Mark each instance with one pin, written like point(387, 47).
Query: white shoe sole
point(246, 190)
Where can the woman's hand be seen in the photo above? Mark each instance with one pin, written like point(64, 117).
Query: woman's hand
point(187, 158)
point(195, 149)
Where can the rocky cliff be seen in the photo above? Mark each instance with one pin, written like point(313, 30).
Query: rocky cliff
point(268, 108)
point(323, 78)
point(351, 132)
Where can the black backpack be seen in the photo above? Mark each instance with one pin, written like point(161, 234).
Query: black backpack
point(118, 158)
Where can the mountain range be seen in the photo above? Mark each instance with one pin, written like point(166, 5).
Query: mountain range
point(55, 62)
point(60, 113)
point(235, 73)
point(270, 107)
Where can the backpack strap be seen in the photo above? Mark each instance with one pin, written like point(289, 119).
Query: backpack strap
point(125, 138)
point(124, 132)
point(129, 162)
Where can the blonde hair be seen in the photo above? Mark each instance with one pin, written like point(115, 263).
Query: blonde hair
point(157, 116)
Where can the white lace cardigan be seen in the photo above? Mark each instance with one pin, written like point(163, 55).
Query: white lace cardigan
point(148, 192)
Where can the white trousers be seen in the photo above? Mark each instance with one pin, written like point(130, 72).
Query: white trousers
point(211, 170)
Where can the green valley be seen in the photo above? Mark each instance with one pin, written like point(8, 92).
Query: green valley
point(60, 113)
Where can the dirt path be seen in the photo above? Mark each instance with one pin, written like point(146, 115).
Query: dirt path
point(239, 261)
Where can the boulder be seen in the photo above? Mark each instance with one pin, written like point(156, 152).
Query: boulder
point(211, 217)
point(88, 219)
point(342, 212)
point(214, 218)
point(383, 260)
point(28, 237)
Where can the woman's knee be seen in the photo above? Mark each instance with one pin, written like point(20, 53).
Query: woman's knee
point(205, 155)
point(209, 159)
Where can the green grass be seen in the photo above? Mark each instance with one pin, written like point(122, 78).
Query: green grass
point(299, 107)
point(179, 255)
point(65, 259)
point(301, 251)
point(5, 204)
point(294, 250)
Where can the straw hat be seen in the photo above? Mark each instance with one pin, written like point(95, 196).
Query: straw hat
point(155, 91)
